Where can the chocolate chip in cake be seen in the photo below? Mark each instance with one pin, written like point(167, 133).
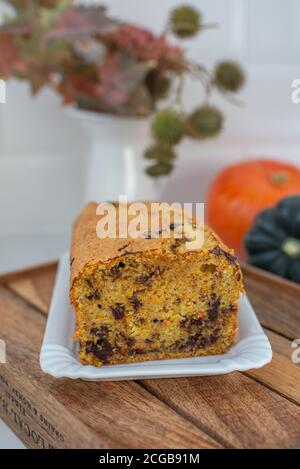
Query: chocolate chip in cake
point(200, 341)
point(218, 251)
point(143, 279)
point(148, 341)
point(71, 261)
point(99, 331)
point(203, 341)
point(138, 351)
point(213, 310)
point(104, 344)
point(95, 295)
point(194, 340)
point(179, 345)
point(89, 282)
point(189, 322)
point(116, 269)
point(128, 340)
point(102, 349)
point(208, 268)
point(136, 303)
point(123, 247)
point(102, 355)
point(157, 320)
point(213, 338)
point(104, 329)
point(118, 311)
point(195, 321)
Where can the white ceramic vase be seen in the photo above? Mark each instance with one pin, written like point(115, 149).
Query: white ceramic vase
point(115, 163)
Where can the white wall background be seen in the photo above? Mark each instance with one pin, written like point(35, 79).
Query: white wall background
point(42, 150)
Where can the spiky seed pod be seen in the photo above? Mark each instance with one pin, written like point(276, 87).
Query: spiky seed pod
point(185, 21)
point(229, 75)
point(159, 169)
point(161, 153)
point(205, 122)
point(163, 87)
point(167, 127)
point(158, 85)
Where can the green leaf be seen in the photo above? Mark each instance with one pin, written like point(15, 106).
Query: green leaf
point(48, 16)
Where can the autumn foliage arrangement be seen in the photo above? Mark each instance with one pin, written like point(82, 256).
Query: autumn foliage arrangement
point(98, 63)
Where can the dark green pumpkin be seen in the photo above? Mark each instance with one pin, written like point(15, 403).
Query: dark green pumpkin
point(273, 242)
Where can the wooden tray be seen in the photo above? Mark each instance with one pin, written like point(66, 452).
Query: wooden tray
point(257, 409)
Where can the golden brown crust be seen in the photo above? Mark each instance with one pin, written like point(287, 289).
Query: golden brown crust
point(87, 247)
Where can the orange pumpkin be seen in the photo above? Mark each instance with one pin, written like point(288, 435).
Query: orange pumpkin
point(243, 190)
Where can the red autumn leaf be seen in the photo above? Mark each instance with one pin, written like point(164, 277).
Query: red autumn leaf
point(10, 60)
point(139, 103)
point(144, 45)
point(18, 27)
point(79, 84)
point(83, 85)
point(81, 21)
point(22, 6)
point(120, 75)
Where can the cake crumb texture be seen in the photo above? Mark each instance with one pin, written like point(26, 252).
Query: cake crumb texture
point(150, 298)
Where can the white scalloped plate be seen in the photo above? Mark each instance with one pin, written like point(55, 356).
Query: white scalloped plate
point(59, 357)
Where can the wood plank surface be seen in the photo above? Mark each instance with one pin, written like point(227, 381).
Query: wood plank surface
point(36, 286)
point(237, 409)
point(280, 375)
point(84, 414)
point(276, 301)
point(258, 409)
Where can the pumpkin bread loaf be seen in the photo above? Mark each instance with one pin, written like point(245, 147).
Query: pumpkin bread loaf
point(151, 298)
